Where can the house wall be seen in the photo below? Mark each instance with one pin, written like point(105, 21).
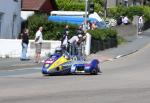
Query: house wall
point(10, 18)
point(130, 2)
point(112, 3)
point(26, 14)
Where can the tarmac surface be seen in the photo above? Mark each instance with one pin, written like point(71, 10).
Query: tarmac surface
point(135, 43)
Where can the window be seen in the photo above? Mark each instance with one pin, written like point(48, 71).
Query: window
point(16, 0)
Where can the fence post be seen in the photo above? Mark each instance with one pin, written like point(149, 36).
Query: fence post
point(87, 44)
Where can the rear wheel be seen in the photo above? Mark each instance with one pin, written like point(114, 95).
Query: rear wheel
point(94, 72)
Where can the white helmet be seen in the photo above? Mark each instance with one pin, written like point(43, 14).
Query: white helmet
point(58, 50)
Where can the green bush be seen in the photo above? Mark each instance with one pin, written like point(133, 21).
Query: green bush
point(103, 39)
point(146, 17)
point(116, 12)
point(77, 5)
point(34, 22)
point(128, 11)
point(52, 30)
point(134, 10)
point(146, 10)
point(103, 34)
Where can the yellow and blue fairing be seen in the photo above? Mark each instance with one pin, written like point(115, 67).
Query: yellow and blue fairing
point(59, 64)
point(53, 65)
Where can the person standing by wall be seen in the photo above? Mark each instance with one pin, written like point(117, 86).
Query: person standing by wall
point(38, 44)
point(64, 39)
point(25, 42)
point(140, 24)
point(72, 45)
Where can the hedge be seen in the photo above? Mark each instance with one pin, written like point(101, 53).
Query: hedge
point(130, 12)
point(103, 39)
point(78, 5)
point(125, 11)
point(52, 30)
point(103, 34)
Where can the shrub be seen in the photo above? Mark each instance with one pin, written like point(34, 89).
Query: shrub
point(146, 17)
point(134, 10)
point(128, 11)
point(116, 12)
point(77, 5)
point(103, 34)
point(103, 39)
point(52, 30)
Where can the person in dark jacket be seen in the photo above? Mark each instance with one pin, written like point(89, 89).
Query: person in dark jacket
point(119, 20)
point(25, 42)
point(65, 38)
point(80, 30)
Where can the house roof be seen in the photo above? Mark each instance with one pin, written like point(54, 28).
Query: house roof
point(37, 5)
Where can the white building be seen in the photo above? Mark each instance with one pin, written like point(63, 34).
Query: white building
point(113, 3)
point(10, 20)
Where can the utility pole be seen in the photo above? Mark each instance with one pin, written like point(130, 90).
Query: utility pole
point(105, 9)
point(86, 9)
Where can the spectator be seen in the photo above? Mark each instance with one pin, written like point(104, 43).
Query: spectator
point(119, 20)
point(80, 30)
point(93, 26)
point(125, 20)
point(80, 44)
point(64, 39)
point(76, 44)
point(86, 25)
point(73, 45)
point(25, 41)
point(140, 24)
point(126, 3)
point(38, 44)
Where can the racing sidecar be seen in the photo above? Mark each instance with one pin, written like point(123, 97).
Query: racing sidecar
point(58, 64)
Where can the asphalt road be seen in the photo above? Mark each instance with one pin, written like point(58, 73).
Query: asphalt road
point(124, 80)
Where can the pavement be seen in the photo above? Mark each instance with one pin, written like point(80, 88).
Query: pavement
point(135, 43)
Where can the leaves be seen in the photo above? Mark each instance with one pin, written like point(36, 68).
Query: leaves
point(51, 29)
point(77, 5)
point(102, 34)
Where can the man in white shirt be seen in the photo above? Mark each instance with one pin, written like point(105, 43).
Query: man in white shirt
point(140, 24)
point(38, 44)
point(73, 45)
point(125, 20)
point(76, 43)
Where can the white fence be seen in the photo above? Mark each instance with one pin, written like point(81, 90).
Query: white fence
point(13, 48)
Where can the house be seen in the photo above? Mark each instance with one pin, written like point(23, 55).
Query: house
point(10, 18)
point(112, 3)
point(29, 7)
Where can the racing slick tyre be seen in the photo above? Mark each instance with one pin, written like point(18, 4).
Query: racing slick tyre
point(94, 72)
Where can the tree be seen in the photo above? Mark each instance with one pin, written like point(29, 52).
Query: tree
point(78, 5)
